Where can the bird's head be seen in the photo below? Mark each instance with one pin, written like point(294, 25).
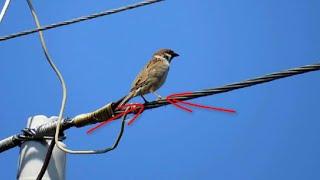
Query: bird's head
point(166, 54)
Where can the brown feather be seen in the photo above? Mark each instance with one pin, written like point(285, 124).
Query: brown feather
point(144, 74)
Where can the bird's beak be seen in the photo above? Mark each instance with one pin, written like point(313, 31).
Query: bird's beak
point(175, 54)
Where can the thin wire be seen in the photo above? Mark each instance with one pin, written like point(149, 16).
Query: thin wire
point(79, 19)
point(46, 160)
point(64, 92)
point(50, 61)
point(4, 9)
point(101, 151)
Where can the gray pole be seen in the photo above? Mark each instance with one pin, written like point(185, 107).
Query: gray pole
point(32, 155)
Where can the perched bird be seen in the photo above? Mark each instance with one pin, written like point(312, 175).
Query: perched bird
point(152, 76)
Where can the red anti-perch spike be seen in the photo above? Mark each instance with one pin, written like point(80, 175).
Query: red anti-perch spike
point(172, 99)
point(132, 108)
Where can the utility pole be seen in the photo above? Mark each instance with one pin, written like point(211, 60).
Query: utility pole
point(32, 155)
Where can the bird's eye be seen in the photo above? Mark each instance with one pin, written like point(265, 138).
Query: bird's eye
point(167, 56)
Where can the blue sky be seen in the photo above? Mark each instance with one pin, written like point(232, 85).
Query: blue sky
point(274, 135)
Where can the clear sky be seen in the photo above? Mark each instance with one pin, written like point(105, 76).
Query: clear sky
point(274, 135)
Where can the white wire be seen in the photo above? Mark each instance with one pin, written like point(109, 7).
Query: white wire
point(4, 9)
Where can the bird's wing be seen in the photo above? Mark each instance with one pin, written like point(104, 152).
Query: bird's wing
point(144, 74)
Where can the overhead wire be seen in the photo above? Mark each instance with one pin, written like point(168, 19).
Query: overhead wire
point(45, 129)
point(79, 19)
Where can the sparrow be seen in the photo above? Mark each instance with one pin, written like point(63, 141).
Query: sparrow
point(152, 76)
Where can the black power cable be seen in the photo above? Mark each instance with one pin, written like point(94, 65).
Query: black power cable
point(14, 140)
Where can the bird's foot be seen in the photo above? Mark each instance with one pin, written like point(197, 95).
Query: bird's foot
point(159, 98)
point(144, 99)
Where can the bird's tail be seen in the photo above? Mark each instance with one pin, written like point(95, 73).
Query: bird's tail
point(125, 99)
